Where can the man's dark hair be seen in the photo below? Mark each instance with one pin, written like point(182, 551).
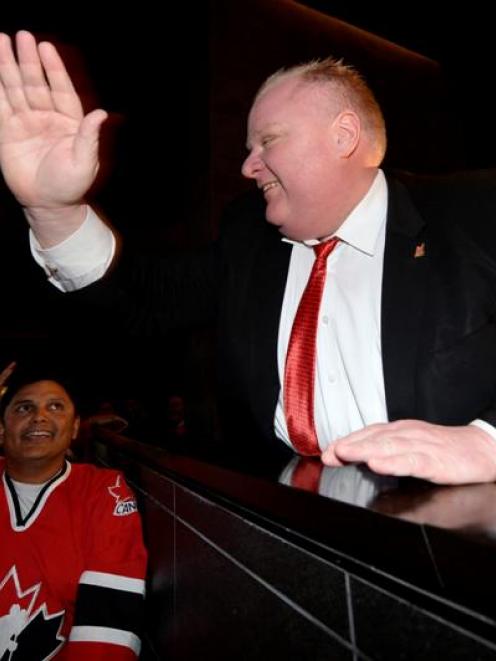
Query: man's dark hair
point(23, 376)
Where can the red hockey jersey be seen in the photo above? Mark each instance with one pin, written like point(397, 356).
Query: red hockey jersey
point(72, 571)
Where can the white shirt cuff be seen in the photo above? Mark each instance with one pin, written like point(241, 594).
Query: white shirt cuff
point(80, 259)
point(485, 426)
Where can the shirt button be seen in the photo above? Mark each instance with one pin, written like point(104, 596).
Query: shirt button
point(332, 378)
point(325, 319)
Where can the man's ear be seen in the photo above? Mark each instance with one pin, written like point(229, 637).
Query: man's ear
point(347, 130)
point(75, 427)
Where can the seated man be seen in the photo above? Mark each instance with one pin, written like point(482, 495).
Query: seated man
point(73, 563)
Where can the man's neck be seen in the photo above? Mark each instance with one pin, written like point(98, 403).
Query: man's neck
point(32, 474)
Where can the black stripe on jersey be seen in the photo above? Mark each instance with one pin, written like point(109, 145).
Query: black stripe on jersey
point(19, 520)
point(98, 606)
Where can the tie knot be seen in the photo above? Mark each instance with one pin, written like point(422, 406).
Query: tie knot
point(324, 249)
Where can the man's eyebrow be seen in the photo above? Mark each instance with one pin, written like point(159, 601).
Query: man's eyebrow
point(267, 128)
point(27, 400)
point(21, 401)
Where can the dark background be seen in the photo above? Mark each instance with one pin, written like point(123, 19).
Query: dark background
point(460, 36)
point(149, 67)
point(156, 145)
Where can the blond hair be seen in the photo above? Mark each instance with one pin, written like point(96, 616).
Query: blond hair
point(346, 90)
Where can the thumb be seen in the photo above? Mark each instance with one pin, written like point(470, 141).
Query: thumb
point(87, 138)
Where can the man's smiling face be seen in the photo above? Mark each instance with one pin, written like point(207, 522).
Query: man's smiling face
point(38, 426)
point(291, 138)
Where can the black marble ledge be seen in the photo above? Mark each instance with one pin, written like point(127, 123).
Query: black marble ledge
point(410, 538)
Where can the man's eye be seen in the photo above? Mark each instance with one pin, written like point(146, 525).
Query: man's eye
point(267, 140)
point(56, 406)
point(22, 408)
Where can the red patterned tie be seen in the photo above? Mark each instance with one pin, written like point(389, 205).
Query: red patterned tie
point(299, 374)
point(306, 474)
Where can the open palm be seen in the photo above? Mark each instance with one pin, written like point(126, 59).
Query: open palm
point(48, 147)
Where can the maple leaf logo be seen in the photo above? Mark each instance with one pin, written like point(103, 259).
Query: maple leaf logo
point(27, 631)
point(125, 503)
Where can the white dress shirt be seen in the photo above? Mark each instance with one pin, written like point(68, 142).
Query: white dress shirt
point(79, 260)
point(349, 383)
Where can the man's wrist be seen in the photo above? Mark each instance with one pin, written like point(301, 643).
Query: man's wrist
point(81, 258)
point(52, 226)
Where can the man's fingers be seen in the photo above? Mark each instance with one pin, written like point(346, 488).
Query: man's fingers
point(380, 445)
point(441, 454)
point(329, 457)
point(10, 76)
point(4, 375)
point(36, 88)
point(5, 107)
point(63, 94)
point(351, 448)
point(87, 138)
point(407, 464)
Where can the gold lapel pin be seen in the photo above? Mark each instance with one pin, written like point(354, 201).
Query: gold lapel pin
point(419, 250)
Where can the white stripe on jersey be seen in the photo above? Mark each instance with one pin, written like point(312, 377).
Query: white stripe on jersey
point(105, 635)
point(114, 581)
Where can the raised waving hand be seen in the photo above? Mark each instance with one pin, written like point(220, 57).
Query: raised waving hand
point(48, 147)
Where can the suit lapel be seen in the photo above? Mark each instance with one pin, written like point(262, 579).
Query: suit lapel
point(403, 296)
point(269, 282)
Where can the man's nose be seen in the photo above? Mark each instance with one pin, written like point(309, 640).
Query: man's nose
point(40, 413)
point(252, 165)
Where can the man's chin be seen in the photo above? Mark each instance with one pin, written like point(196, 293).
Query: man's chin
point(288, 234)
point(276, 222)
point(283, 228)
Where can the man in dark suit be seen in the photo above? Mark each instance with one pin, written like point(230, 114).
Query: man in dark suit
point(405, 376)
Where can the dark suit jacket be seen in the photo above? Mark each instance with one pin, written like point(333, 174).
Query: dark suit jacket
point(438, 310)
